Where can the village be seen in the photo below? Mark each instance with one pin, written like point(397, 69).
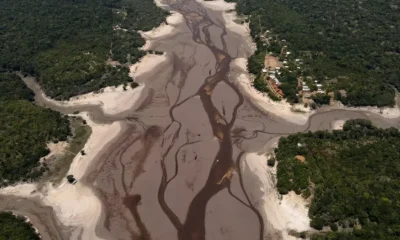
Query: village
point(281, 63)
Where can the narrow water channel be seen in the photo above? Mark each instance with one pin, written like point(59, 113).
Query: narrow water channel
point(175, 170)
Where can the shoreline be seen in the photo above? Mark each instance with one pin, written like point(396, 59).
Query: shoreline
point(74, 205)
point(293, 113)
point(78, 205)
point(111, 100)
point(282, 213)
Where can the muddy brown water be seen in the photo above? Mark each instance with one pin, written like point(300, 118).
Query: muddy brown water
point(173, 172)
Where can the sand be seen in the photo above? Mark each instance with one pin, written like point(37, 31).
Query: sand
point(146, 64)
point(295, 114)
point(74, 205)
point(112, 100)
point(386, 112)
point(338, 124)
point(55, 149)
point(164, 30)
point(290, 213)
point(77, 205)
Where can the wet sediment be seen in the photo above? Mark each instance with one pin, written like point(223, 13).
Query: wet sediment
point(174, 171)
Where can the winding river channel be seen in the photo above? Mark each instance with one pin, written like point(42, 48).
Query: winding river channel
point(174, 171)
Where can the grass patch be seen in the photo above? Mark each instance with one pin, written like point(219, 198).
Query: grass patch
point(60, 166)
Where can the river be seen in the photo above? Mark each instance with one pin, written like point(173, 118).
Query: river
point(174, 171)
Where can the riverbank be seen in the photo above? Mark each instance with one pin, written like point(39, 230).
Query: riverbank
point(293, 113)
point(282, 214)
point(296, 113)
point(74, 205)
point(77, 205)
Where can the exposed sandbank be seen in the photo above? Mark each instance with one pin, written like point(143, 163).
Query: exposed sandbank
point(77, 205)
point(239, 67)
point(165, 29)
point(282, 213)
point(74, 205)
point(296, 113)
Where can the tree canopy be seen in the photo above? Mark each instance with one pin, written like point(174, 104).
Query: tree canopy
point(66, 43)
point(25, 129)
point(352, 175)
point(16, 228)
point(346, 44)
point(13, 88)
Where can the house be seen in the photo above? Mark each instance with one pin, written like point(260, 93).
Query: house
point(306, 88)
point(264, 70)
point(288, 53)
point(285, 62)
point(277, 68)
point(319, 85)
point(297, 60)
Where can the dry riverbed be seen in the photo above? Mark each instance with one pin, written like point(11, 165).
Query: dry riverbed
point(182, 156)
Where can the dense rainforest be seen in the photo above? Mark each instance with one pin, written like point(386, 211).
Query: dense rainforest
point(25, 128)
point(16, 228)
point(66, 43)
point(346, 44)
point(352, 177)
